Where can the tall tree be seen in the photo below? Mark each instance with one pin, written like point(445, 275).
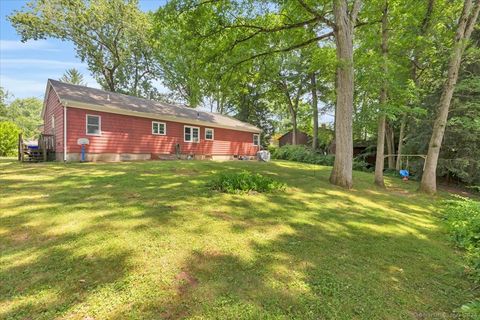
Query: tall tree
point(313, 88)
point(25, 113)
point(379, 162)
point(345, 19)
point(245, 32)
point(465, 27)
point(73, 76)
point(415, 75)
point(3, 104)
point(111, 36)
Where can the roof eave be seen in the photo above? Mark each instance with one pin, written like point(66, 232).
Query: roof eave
point(156, 116)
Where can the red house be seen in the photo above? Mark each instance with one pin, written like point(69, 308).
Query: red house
point(120, 127)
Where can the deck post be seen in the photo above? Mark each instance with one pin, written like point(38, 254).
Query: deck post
point(20, 147)
point(44, 148)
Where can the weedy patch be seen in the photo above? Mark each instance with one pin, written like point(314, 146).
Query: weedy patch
point(245, 182)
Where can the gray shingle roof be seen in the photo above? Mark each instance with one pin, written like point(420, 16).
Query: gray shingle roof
point(111, 102)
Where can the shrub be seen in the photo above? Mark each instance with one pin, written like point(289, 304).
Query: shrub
point(301, 153)
point(361, 165)
point(463, 221)
point(243, 182)
point(8, 138)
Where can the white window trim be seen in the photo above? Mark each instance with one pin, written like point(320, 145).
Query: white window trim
point(213, 134)
point(258, 140)
point(164, 128)
point(191, 134)
point(52, 123)
point(99, 125)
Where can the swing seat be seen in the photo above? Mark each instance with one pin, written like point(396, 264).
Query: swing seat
point(404, 173)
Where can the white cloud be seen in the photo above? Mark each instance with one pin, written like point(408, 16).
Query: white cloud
point(39, 63)
point(15, 45)
point(22, 88)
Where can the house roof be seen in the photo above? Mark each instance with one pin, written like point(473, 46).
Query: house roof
point(100, 100)
point(291, 131)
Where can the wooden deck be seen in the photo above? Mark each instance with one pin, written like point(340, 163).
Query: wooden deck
point(44, 151)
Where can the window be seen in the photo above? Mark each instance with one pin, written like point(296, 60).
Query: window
point(208, 134)
point(256, 140)
point(159, 128)
point(93, 125)
point(52, 123)
point(191, 134)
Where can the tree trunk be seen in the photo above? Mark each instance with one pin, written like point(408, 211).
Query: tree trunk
point(313, 80)
point(400, 141)
point(465, 27)
point(390, 147)
point(294, 131)
point(379, 161)
point(344, 22)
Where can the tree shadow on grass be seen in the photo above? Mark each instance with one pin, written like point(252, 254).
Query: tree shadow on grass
point(49, 275)
point(308, 274)
point(342, 261)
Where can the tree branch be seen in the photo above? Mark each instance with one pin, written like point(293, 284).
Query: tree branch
point(355, 10)
point(293, 47)
point(319, 16)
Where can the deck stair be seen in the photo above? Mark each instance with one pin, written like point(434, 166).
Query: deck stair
point(44, 150)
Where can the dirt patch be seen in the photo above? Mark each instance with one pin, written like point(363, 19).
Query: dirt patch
point(20, 237)
point(186, 282)
point(222, 215)
point(461, 191)
point(399, 191)
point(132, 195)
point(185, 172)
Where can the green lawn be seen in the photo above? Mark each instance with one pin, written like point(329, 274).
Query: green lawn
point(148, 240)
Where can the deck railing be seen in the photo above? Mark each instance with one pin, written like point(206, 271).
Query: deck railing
point(45, 147)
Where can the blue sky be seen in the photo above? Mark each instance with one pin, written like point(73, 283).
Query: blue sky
point(25, 67)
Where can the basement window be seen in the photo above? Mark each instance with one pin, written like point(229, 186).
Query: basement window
point(191, 134)
point(93, 125)
point(159, 128)
point(208, 134)
point(256, 139)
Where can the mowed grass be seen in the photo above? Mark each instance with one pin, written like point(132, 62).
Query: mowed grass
point(149, 240)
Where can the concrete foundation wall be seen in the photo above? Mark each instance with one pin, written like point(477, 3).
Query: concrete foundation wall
point(109, 157)
point(115, 157)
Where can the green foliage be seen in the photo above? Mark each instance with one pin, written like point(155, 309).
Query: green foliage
point(361, 165)
point(73, 76)
point(463, 220)
point(109, 35)
point(301, 153)
point(3, 104)
point(245, 181)
point(26, 114)
point(8, 138)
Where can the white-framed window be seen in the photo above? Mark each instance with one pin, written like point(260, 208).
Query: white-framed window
point(159, 128)
point(256, 139)
point(94, 125)
point(52, 123)
point(209, 134)
point(191, 134)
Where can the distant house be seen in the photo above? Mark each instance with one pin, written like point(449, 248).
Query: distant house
point(121, 127)
point(287, 138)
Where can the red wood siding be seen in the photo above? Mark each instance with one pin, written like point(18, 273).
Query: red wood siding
point(129, 134)
point(55, 108)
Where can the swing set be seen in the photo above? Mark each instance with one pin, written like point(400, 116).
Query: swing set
point(404, 171)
